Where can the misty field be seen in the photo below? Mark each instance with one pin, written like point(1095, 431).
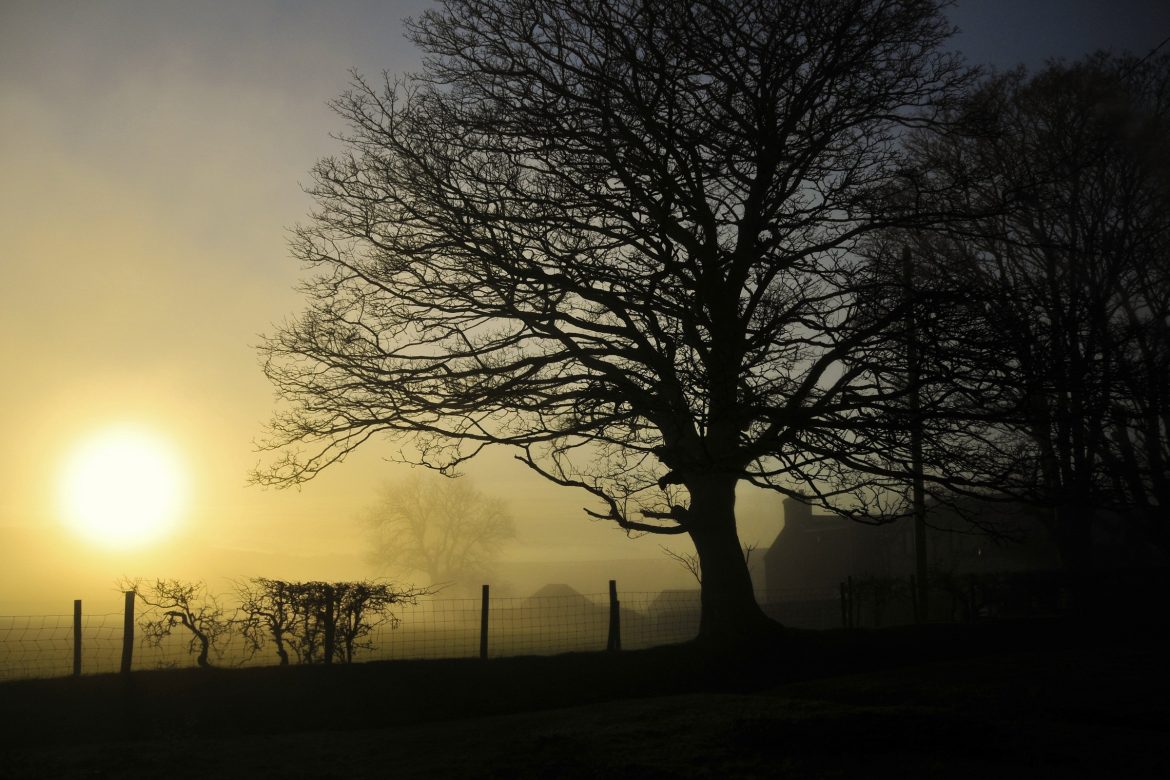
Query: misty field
point(1033, 699)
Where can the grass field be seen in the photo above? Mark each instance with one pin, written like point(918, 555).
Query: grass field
point(1004, 700)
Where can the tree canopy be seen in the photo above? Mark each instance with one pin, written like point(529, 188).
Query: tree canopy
point(616, 235)
point(1060, 185)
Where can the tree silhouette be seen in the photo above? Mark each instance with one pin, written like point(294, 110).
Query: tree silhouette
point(445, 529)
point(615, 236)
point(270, 610)
point(1064, 178)
point(318, 621)
point(178, 603)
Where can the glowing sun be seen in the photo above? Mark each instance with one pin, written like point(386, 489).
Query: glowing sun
point(122, 487)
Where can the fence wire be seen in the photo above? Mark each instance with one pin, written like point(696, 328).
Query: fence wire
point(42, 645)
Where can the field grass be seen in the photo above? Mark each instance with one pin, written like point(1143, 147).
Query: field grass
point(1051, 699)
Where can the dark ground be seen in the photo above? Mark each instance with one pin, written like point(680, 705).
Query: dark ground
point(1034, 699)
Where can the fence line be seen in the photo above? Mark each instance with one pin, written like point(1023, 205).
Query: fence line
point(44, 645)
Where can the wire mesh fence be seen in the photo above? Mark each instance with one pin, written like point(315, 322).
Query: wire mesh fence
point(559, 620)
point(43, 645)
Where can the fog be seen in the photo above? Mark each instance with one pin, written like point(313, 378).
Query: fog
point(152, 153)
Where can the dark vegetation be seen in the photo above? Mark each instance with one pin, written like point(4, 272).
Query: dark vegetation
point(1014, 698)
point(318, 622)
point(176, 605)
point(309, 622)
point(617, 239)
point(658, 250)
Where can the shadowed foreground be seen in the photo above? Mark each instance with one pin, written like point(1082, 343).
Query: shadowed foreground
point(1031, 700)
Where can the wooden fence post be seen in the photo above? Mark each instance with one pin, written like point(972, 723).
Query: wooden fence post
point(972, 611)
point(77, 637)
point(483, 624)
point(614, 643)
point(330, 625)
point(854, 606)
point(851, 611)
point(914, 599)
point(857, 603)
point(128, 633)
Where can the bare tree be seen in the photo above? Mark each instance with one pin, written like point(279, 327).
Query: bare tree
point(1062, 260)
point(616, 236)
point(318, 621)
point(442, 528)
point(178, 603)
point(359, 608)
point(270, 611)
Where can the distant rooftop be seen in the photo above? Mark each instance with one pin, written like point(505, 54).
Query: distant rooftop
point(556, 590)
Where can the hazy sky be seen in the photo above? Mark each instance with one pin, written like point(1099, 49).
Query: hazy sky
point(151, 153)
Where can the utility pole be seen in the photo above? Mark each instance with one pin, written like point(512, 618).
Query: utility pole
point(918, 489)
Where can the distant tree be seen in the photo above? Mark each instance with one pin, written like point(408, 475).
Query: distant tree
point(177, 603)
point(318, 621)
point(442, 528)
point(617, 237)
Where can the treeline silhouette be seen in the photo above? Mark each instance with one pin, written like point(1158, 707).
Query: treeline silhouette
point(313, 622)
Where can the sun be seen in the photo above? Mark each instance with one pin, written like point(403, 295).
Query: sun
point(122, 488)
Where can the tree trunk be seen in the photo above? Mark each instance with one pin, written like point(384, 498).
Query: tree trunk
point(204, 649)
point(327, 617)
point(729, 609)
point(204, 642)
point(278, 637)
